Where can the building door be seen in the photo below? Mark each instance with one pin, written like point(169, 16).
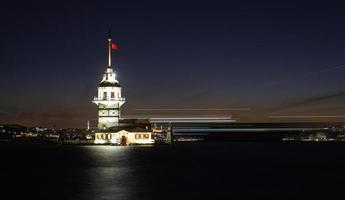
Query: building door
point(123, 140)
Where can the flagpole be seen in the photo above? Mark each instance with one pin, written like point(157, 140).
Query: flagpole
point(109, 50)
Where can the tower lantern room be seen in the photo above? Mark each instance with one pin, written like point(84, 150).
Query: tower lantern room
point(109, 99)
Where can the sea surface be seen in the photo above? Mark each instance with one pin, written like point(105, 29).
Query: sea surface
point(233, 170)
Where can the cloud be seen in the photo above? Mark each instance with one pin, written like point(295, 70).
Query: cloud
point(309, 101)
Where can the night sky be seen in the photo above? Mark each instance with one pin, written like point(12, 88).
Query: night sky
point(276, 58)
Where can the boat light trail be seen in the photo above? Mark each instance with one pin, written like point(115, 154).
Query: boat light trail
point(307, 116)
point(191, 119)
point(191, 109)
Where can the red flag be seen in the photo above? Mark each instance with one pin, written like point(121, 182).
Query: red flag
point(114, 46)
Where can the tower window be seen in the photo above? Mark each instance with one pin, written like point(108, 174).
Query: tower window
point(112, 95)
point(104, 95)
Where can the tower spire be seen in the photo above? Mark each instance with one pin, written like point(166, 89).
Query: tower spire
point(109, 49)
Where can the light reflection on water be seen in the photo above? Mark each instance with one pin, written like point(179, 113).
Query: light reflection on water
point(111, 173)
point(109, 176)
point(178, 171)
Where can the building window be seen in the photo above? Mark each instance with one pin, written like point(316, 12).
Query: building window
point(112, 95)
point(104, 95)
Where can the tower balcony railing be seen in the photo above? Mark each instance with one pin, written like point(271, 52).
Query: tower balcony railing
point(109, 99)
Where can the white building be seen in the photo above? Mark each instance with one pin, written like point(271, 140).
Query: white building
point(124, 137)
point(109, 101)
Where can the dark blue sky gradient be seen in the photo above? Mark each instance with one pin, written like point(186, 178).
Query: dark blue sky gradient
point(177, 54)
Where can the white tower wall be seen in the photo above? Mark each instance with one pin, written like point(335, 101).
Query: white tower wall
point(109, 99)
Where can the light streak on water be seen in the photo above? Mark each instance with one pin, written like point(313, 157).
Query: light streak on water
point(192, 120)
point(244, 129)
point(307, 116)
point(192, 109)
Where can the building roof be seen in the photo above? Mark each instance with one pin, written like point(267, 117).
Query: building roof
point(127, 128)
point(109, 84)
point(131, 125)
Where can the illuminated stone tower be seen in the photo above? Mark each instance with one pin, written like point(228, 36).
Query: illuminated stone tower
point(109, 99)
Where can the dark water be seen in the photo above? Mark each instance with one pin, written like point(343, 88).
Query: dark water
point(180, 171)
